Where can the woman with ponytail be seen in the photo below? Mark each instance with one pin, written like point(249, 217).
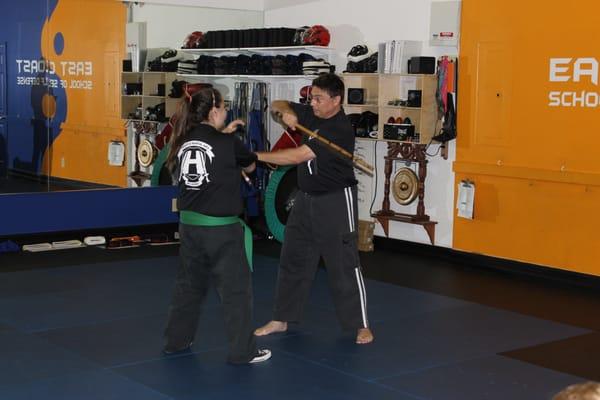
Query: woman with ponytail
point(215, 243)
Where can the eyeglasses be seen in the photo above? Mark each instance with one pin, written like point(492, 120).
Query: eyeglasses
point(319, 99)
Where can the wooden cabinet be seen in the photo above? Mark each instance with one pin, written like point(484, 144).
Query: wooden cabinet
point(387, 94)
point(369, 83)
point(394, 89)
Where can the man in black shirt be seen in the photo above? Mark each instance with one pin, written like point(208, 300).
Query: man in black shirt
point(323, 221)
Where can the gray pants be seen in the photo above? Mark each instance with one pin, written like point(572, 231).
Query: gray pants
point(213, 254)
point(322, 226)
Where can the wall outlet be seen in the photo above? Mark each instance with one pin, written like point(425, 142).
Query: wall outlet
point(174, 205)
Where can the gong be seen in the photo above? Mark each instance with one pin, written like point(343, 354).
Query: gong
point(146, 153)
point(405, 187)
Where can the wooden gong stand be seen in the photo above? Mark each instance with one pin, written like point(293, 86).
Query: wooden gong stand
point(413, 153)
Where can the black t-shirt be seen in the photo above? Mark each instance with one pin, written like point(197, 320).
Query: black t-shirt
point(209, 171)
point(329, 171)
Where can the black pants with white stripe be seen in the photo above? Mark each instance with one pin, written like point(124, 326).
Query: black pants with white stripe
point(322, 226)
point(213, 255)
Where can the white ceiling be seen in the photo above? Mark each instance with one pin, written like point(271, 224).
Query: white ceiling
point(256, 5)
point(273, 4)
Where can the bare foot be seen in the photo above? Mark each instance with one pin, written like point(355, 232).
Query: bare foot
point(364, 336)
point(271, 327)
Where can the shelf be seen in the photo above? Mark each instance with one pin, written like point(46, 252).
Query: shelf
point(144, 120)
point(263, 77)
point(380, 88)
point(401, 107)
point(401, 74)
point(154, 97)
point(386, 140)
point(362, 105)
point(377, 74)
point(280, 49)
point(400, 141)
point(360, 75)
point(131, 95)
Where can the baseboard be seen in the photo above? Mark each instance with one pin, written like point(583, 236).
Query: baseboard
point(481, 261)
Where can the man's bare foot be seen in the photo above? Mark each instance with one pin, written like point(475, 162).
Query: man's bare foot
point(364, 336)
point(271, 327)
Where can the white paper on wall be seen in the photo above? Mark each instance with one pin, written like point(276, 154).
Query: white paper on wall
point(116, 153)
point(466, 199)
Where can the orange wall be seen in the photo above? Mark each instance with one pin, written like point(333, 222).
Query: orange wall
point(535, 166)
point(93, 31)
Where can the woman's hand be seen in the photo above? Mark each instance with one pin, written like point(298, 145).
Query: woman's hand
point(233, 125)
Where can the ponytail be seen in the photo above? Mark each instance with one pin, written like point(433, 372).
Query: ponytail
point(191, 112)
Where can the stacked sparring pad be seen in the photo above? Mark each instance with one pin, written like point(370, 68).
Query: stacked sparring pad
point(361, 60)
point(205, 65)
point(258, 65)
point(166, 62)
point(316, 67)
point(224, 65)
point(242, 64)
point(316, 35)
point(186, 67)
point(279, 65)
point(265, 37)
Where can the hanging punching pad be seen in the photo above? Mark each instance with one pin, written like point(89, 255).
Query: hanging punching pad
point(279, 199)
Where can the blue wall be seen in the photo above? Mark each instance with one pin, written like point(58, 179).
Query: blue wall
point(85, 209)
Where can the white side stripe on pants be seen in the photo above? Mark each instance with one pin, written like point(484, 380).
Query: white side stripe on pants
point(350, 207)
point(363, 296)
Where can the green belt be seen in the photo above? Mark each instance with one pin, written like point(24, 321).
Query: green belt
point(194, 218)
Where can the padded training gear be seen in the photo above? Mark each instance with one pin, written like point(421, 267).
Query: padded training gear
point(317, 35)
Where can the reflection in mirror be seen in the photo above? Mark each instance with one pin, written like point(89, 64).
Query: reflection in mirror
point(66, 123)
point(24, 126)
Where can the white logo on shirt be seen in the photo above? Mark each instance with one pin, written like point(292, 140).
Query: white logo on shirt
point(192, 160)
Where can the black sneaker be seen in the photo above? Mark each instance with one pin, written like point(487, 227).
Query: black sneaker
point(261, 355)
point(168, 350)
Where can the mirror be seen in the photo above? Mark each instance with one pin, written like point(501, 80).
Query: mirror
point(62, 93)
point(25, 102)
